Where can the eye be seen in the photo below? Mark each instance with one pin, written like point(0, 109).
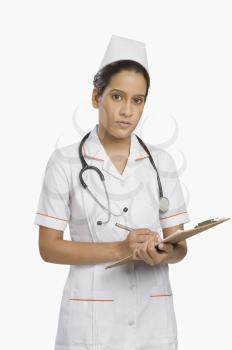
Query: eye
point(116, 95)
point(140, 100)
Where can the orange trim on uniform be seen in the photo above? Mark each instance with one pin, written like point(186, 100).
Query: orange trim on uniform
point(80, 299)
point(53, 217)
point(94, 158)
point(167, 217)
point(86, 155)
point(160, 295)
point(146, 156)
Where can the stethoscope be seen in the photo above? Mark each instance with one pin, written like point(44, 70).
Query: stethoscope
point(163, 201)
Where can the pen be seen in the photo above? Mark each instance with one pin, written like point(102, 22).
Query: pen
point(129, 229)
point(123, 226)
point(129, 257)
point(126, 228)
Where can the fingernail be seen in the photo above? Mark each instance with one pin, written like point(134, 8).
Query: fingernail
point(161, 245)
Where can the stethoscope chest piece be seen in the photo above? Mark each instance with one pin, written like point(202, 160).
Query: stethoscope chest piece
point(163, 204)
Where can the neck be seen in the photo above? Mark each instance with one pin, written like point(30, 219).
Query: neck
point(112, 144)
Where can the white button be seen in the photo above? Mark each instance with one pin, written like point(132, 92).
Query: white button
point(131, 323)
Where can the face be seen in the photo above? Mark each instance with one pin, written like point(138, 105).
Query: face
point(121, 104)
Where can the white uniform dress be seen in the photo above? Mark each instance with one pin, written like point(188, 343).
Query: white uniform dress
point(128, 307)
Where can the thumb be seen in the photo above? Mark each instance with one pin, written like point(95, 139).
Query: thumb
point(162, 247)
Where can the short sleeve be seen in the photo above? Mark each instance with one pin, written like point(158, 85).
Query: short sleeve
point(172, 189)
point(53, 208)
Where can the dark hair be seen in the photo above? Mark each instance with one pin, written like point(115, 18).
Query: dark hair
point(103, 76)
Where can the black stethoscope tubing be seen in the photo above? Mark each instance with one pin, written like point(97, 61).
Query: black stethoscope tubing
point(164, 202)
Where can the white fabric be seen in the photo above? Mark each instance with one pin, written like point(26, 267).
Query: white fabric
point(132, 304)
point(120, 48)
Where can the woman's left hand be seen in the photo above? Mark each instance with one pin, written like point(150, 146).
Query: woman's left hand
point(153, 256)
point(166, 248)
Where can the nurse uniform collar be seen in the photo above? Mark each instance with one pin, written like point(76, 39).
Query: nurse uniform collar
point(163, 201)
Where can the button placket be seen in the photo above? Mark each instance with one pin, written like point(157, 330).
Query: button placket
point(131, 319)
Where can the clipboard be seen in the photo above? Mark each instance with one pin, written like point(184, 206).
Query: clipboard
point(178, 236)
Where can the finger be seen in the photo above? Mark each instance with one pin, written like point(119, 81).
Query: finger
point(165, 247)
point(135, 254)
point(159, 239)
point(153, 253)
point(142, 231)
point(156, 235)
point(142, 252)
point(161, 246)
point(140, 238)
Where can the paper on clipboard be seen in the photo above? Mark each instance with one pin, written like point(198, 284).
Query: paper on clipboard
point(176, 237)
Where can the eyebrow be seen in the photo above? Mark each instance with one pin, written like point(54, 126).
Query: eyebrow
point(124, 92)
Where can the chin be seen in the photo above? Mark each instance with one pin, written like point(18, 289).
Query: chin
point(122, 134)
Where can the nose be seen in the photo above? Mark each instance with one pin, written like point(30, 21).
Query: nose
point(126, 109)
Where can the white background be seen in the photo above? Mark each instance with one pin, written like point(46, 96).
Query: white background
point(50, 51)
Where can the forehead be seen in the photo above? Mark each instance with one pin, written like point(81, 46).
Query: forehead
point(128, 81)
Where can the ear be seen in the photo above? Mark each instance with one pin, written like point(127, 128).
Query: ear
point(95, 98)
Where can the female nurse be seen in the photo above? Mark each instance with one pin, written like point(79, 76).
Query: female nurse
point(128, 307)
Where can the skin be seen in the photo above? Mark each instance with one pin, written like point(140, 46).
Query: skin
point(126, 104)
point(124, 99)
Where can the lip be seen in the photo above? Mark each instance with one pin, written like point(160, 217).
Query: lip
point(124, 125)
point(123, 122)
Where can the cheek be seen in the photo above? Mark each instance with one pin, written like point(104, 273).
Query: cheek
point(108, 112)
point(138, 116)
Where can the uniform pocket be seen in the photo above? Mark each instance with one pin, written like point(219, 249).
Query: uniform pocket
point(80, 315)
point(160, 291)
point(91, 315)
point(104, 315)
point(162, 312)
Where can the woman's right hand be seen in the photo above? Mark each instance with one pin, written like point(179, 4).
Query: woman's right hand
point(137, 238)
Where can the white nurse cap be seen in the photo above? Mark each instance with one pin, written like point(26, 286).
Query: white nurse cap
point(120, 48)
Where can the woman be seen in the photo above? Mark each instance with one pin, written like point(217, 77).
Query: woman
point(129, 306)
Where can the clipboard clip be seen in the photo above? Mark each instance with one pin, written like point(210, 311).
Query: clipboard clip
point(206, 222)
